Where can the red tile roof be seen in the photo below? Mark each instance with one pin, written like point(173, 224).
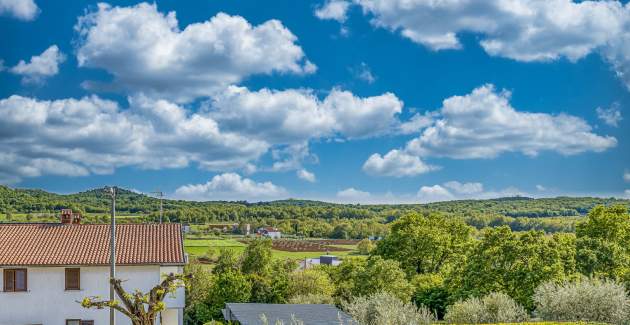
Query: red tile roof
point(88, 244)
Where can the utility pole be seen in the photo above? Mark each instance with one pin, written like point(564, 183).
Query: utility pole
point(112, 255)
point(161, 195)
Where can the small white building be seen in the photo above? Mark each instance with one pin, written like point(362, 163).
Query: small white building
point(45, 269)
point(270, 232)
point(308, 263)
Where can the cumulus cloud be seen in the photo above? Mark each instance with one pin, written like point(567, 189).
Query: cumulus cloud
point(306, 175)
point(40, 66)
point(464, 188)
point(353, 195)
point(483, 124)
point(454, 190)
point(396, 163)
point(626, 176)
point(146, 51)
point(333, 10)
point(230, 186)
point(228, 133)
point(541, 188)
point(434, 193)
point(611, 116)
point(20, 9)
point(626, 194)
point(523, 30)
point(77, 137)
point(293, 116)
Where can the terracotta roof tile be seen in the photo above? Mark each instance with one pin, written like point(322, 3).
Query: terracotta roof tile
point(88, 244)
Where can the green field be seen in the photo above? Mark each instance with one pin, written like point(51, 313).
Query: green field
point(199, 247)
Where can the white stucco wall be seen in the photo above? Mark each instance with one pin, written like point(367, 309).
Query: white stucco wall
point(46, 301)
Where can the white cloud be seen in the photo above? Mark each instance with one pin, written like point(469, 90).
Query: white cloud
point(396, 163)
point(464, 188)
point(230, 186)
point(77, 137)
point(626, 176)
point(363, 72)
point(40, 66)
point(353, 195)
point(626, 194)
point(416, 123)
point(483, 124)
point(20, 9)
point(146, 51)
point(333, 10)
point(454, 190)
point(523, 30)
point(541, 188)
point(306, 175)
point(294, 116)
point(434, 193)
point(611, 115)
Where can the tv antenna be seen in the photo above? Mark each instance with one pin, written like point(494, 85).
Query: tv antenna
point(160, 194)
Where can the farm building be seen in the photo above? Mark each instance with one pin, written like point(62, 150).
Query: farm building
point(324, 259)
point(270, 232)
point(45, 268)
point(311, 314)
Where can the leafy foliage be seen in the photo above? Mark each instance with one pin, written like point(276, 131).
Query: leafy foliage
point(493, 308)
point(586, 299)
point(386, 309)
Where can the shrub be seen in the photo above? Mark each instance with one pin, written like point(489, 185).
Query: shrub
point(587, 299)
point(365, 246)
point(310, 282)
point(493, 308)
point(385, 309)
point(465, 311)
point(312, 299)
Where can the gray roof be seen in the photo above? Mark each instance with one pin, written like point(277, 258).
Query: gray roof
point(249, 314)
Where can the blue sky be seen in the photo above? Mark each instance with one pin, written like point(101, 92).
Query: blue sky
point(351, 101)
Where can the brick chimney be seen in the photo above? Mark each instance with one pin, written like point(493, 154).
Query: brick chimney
point(67, 217)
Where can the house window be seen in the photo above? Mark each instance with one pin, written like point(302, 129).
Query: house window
point(15, 280)
point(73, 279)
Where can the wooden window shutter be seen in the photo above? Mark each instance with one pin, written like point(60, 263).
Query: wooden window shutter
point(9, 280)
point(73, 279)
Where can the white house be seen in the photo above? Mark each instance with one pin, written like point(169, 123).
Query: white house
point(270, 232)
point(45, 269)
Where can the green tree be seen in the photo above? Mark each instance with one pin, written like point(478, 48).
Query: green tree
point(426, 244)
point(257, 257)
point(380, 275)
point(229, 286)
point(365, 246)
point(198, 287)
point(228, 261)
point(603, 243)
point(310, 282)
point(515, 264)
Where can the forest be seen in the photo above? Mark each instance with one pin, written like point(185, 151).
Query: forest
point(302, 217)
point(431, 267)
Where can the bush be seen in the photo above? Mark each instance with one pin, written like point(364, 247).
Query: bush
point(587, 299)
point(493, 308)
point(310, 282)
point(312, 299)
point(385, 309)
